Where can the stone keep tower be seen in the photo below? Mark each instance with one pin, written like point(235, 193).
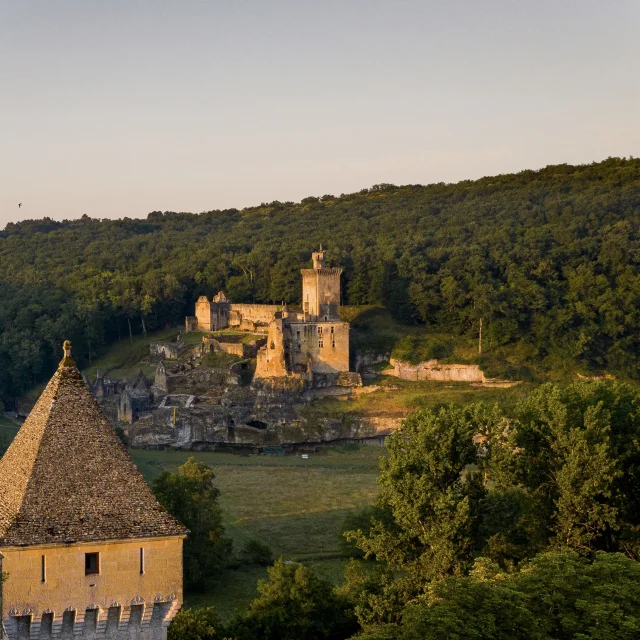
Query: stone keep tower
point(89, 551)
point(321, 291)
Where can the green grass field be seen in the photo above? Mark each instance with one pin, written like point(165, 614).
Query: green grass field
point(296, 506)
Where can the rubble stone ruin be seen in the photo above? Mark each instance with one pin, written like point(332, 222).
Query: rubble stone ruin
point(242, 374)
point(312, 340)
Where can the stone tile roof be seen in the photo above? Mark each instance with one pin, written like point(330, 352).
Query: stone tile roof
point(66, 477)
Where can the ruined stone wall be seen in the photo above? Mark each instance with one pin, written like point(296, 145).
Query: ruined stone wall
point(326, 343)
point(271, 359)
point(232, 345)
point(256, 313)
point(433, 370)
point(118, 602)
point(203, 314)
point(233, 348)
point(161, 381)
point(169, 350)
point(219, 315)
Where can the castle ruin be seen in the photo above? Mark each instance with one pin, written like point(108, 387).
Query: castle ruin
point(311, 340)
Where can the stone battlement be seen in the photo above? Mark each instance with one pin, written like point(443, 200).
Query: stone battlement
point(136, 621)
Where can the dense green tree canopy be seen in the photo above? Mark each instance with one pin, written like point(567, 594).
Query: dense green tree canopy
point(460, 484)
point(547, 259)
point(555, 596)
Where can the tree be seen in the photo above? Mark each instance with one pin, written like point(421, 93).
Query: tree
point(572, 597)
point(198, 624)
point(295, 604)
point(190, 496)
point(553, 597)
point(576, 451)
point(433, 503)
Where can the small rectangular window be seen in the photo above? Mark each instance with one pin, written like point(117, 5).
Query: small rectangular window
point(43, 570)
point(320, 343)
point(91, 564)
point(141, 561)
point(320, 330)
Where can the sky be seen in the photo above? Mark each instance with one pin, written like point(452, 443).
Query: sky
point(115, 109)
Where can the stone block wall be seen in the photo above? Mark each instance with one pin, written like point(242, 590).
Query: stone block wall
point(325, 343)
point(434, 370)
point(256, 313)
point(124, 600)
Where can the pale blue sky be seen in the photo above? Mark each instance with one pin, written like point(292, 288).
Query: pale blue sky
point(117, 108)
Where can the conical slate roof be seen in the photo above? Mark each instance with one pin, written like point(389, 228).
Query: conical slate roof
point(67, 478)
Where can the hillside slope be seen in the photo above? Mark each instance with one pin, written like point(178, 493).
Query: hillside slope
point(548, 259)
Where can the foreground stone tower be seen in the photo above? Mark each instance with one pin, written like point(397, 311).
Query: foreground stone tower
point(88, 550)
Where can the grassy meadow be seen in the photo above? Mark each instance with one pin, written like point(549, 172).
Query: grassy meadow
point(296, 506)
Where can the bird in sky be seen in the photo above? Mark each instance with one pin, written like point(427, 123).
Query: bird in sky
point(19, 204)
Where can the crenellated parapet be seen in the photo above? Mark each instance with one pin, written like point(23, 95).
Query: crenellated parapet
point(137, 620)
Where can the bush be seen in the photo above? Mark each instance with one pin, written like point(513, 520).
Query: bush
point(295, 604)
point(256, 552)
point(416, 349)
point(201, 624)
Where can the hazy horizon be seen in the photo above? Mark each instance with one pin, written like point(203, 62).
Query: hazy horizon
point(118, 110)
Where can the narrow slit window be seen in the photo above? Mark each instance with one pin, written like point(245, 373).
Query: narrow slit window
point(91, 564)
point(141, 561)
point(43, 569)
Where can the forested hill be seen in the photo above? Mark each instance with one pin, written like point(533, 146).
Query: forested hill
point(549, 259)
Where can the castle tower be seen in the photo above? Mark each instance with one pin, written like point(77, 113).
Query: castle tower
point(203, 314)
point(89, 551)
point(321, 290)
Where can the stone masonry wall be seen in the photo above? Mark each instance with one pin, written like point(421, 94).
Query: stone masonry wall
point(433, 370)
point(326, 343)
point(121, 601)
point(258, 313)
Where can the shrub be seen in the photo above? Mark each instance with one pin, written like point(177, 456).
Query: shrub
point(256, 552)
point(416, 349)
point(295, 604)
point(199, 624)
